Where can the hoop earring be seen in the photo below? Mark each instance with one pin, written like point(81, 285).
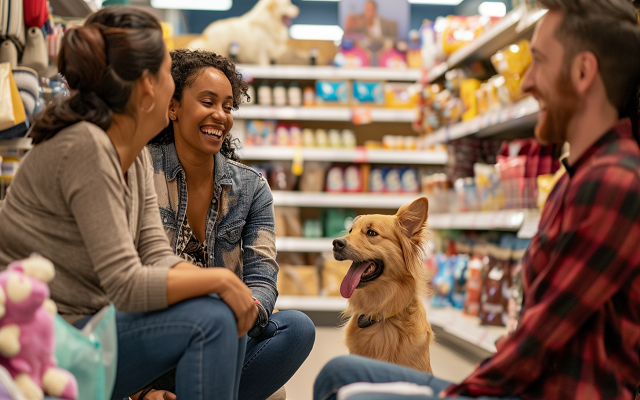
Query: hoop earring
point(150, 108)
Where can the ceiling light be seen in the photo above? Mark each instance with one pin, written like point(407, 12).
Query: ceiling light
point(492, 9)
point(210, 5)
point(316, 32)
point(437, 2)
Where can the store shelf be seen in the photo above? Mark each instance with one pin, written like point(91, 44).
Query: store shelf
point(452, 321)
point(357, 155)
point(517, 24)
point(507, 220)
point(304, 245)
point(19, 143)
point(322, 113)
point(520, 116)
point(340, 200)
point(311, 303)
point(301, 72)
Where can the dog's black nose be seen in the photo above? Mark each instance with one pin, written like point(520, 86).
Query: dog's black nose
point(339, 244)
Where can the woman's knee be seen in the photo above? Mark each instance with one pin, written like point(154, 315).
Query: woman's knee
point(298, 326)
point(210, 315)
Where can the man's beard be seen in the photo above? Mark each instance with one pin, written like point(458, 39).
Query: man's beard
point(553, 128)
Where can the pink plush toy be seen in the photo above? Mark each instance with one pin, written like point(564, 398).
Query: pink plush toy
point(27, 342)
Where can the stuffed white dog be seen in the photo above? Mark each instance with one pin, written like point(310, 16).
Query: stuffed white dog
point(261, 34)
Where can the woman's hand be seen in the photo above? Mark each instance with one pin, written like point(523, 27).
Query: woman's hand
point(238, 297)
point(186, 281)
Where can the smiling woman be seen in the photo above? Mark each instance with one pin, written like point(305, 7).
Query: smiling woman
point(218, 212)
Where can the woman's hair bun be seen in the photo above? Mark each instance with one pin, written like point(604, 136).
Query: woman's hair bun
point(82, 59)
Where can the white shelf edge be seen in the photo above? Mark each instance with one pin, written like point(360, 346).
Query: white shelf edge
point(283, 153)
point(319, 113)
point(304, 245)
point(524, 108)
point(511, 220)
point(18, 143)
point(305, 72)
point(340, 200)
point(311, 303)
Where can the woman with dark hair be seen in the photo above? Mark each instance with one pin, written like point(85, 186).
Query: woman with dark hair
point(84, 198)
point(218, 212)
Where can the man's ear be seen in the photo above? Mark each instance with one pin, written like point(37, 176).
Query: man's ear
point(584, 71)
point(413, 216)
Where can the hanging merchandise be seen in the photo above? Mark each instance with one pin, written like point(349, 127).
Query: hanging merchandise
point(36, 13)
point(12, 25)
point(12, 113)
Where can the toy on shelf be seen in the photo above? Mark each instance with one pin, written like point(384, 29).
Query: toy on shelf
point(27, 332)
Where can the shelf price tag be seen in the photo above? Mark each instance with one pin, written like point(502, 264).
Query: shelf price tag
point(361, 155)
point(361, 115)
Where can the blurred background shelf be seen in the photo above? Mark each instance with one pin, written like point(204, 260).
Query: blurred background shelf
point(339, 200)
point(301, 72)
point(358, 155)
point(322, 113)
point(520, 117)
point(19, 143)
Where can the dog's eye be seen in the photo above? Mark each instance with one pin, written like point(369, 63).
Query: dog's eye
point(372, 233)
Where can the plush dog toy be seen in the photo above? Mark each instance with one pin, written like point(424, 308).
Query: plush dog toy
point(27, 341)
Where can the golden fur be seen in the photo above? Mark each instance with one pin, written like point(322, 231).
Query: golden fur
point(402, 335)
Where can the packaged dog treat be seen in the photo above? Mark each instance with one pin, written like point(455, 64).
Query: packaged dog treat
point(443, 281)
point(376, 180)
point(312, 179)
point(392, 181)
point(409, 180)
point(335, 180)
point(496, 288)
point(475, 269)
point(282, 135)
point(334, 138)
point(460, 278)
point(517, 291)
point(352, 179)
point(298, 280)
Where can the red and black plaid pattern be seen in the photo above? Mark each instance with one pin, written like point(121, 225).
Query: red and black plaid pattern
point(579, 333)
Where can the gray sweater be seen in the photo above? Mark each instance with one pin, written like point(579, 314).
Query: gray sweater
point(70, 203)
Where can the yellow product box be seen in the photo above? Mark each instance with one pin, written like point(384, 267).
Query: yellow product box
point(333, 272)
point(298, 280)
point(512, 63)
point(401, 95)
point(468, 89)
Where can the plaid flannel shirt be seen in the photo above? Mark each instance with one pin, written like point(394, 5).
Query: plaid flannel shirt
point(579, 332)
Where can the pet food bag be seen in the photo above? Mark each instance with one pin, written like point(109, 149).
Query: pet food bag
point(443, 281)
point(496, 288)
point(517, 291)
point(475, 269)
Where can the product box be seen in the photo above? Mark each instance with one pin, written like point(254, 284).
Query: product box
point(368, 93)
point(401, 95)
point(333, 272)
point(298, 280)
point(335, 92)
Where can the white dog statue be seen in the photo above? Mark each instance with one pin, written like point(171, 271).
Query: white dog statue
point(261, 33)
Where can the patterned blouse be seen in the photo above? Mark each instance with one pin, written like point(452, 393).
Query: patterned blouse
point(190, 247)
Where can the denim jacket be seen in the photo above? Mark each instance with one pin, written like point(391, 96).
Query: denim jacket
point(240, 228)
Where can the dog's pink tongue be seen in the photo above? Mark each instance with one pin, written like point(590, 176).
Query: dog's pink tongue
point(352, 279)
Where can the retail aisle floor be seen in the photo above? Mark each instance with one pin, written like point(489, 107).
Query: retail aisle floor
point(446, 363)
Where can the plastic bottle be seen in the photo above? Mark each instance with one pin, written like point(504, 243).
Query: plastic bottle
point(279, 95)
point(264, 94)
point(294, 94)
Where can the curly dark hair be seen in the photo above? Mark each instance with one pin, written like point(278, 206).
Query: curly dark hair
point(186, 66)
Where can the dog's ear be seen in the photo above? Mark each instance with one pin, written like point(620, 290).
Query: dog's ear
point(413, 216)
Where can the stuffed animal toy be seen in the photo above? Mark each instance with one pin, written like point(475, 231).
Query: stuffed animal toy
point(27, 342)
point(261, 35)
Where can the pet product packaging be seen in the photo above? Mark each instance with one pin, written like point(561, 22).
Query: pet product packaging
point(279, 95)
point(376, 180)
point(348, 139)
point(460, 277)
point(312, 179)
point(333, 272)
point(298, 280)
point(281, 178)
point(296, 135)
point(475, 270)
point(409, 181)
point(368, 93)
point(334, 138)
point(321, 138)
point(294, 94)
point(265, 97)
point(335, 180)
point(337, 222)
point(400, 95)
point(392, 181)
point(517, 290)
point(352, 179)
point(334, 92)
point(308, 96)
point(443, 281)
point(282, 135)
point(312, 228)
point(512, 63)
point(308, 138)
point(350, 55)
point(496, 288)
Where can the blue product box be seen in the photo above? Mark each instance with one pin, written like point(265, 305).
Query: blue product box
point(368, 93)
point(332, 92)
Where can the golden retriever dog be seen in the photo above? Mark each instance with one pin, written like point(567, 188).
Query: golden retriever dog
point(261, 34)
point(387, 319)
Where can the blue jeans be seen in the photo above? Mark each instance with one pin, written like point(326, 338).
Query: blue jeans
point(273, 357)
point(344, 370)
point(197, 341)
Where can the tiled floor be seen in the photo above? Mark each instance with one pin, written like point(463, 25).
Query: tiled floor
point(329, 344)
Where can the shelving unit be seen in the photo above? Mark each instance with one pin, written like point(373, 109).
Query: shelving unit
point(300, 72)
point(520, 116)
point(339, 200)
point(451, 321)
point(357, 155)
point(337, 114)
point(516, 25)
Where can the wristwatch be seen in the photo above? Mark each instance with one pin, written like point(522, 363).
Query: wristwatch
point(261, 321)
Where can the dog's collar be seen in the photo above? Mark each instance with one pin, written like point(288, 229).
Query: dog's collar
point(365, 322)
